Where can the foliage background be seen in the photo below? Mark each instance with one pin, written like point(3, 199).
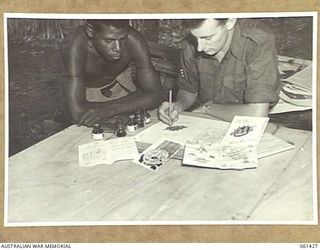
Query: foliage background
point(36, 104)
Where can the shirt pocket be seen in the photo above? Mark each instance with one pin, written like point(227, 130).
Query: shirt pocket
point(208, 87)
point(233, 88)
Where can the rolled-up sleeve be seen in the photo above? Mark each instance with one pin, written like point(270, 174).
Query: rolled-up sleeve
point(188, 75)
point(263, 80)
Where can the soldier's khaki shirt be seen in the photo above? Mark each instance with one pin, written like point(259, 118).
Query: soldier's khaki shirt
point(247, 74)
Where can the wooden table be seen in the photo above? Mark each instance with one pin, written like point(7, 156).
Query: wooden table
point(46, 185)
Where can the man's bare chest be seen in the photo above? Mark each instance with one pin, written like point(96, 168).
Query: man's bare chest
point(99, 72)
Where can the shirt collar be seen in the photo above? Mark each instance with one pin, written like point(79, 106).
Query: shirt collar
point(223, 53)
point(237, 46)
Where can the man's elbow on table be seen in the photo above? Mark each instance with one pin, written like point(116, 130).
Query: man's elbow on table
point(75, 116)
point(76, 110)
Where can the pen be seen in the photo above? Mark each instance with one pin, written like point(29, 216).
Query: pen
point(170, 107)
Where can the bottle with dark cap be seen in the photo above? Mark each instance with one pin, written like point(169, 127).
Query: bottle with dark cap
point(140, 119)
point(97, 132)
point(120, 129)
point(131, 125)
point(147, 116)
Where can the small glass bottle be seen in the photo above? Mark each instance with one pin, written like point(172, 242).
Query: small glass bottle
point(147, 116)
point(131, 126)
point(139, 119)
point(97, 132)
point(120, 129)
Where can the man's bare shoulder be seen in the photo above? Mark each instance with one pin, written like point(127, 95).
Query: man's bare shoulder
point(75, 39)
point(74, 50)
point(137, 48)
point(135, 36)
point(136, 41)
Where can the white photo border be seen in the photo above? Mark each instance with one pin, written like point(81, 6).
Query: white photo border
point(312, 14)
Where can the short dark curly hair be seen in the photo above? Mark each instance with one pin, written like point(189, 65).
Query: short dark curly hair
point(117, 23)
point(195, 23)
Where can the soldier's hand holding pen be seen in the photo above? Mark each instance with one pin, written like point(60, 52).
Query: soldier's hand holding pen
point(164, 112)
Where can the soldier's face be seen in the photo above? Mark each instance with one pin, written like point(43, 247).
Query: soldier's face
point(109, 42)
point(211, 36)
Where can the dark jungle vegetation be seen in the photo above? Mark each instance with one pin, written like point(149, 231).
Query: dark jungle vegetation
point(36, 105)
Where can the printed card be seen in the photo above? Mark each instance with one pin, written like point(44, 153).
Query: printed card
point(245, 130)
point(155, 156)
point(107, 152)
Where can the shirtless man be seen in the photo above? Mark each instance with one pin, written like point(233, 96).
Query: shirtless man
point(96, 57)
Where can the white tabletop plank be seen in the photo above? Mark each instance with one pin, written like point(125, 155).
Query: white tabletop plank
point(292, 189)
point(47, 185)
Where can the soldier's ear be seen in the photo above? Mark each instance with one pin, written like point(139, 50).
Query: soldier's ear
point(89, 29)
point(230, 23)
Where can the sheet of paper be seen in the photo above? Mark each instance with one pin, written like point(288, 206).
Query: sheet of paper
point(209, 132)
point(201, 155)
point(283, 107)
point(158, 154)
point(233, 157)
point(286, 66)
point(302, 78)
point(295, 89)
point(237, 149)
point(123, 149)
point(297, 102)
point(190, 129)
point(270, 145)
point(240, 157)
point(297, 83)
point(220, 157)
point(245, 130)
point(290, 64)
point(107, 152)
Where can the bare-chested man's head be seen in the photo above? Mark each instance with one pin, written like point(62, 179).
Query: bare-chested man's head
point(107, 36)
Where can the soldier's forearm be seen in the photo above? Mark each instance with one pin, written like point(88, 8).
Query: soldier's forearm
point(186, 99)
point(228, 111)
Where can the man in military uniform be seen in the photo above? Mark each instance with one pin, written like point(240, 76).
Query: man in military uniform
point(230, 66)
point(97, 58)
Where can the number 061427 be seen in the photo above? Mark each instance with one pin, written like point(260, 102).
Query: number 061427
point(308, 246)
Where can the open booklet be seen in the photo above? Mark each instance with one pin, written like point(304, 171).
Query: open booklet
point(237, 150)
point(220, 156)
point(107, 152)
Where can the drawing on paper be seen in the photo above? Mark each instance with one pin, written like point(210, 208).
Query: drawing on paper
point(158, 154)
point(175, 128)
point(242, 130)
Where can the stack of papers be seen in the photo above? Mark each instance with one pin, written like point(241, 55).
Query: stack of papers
point(270, 145)
point(215, 145)
point(237, 149)
point(220, 156)
point(298, 88)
